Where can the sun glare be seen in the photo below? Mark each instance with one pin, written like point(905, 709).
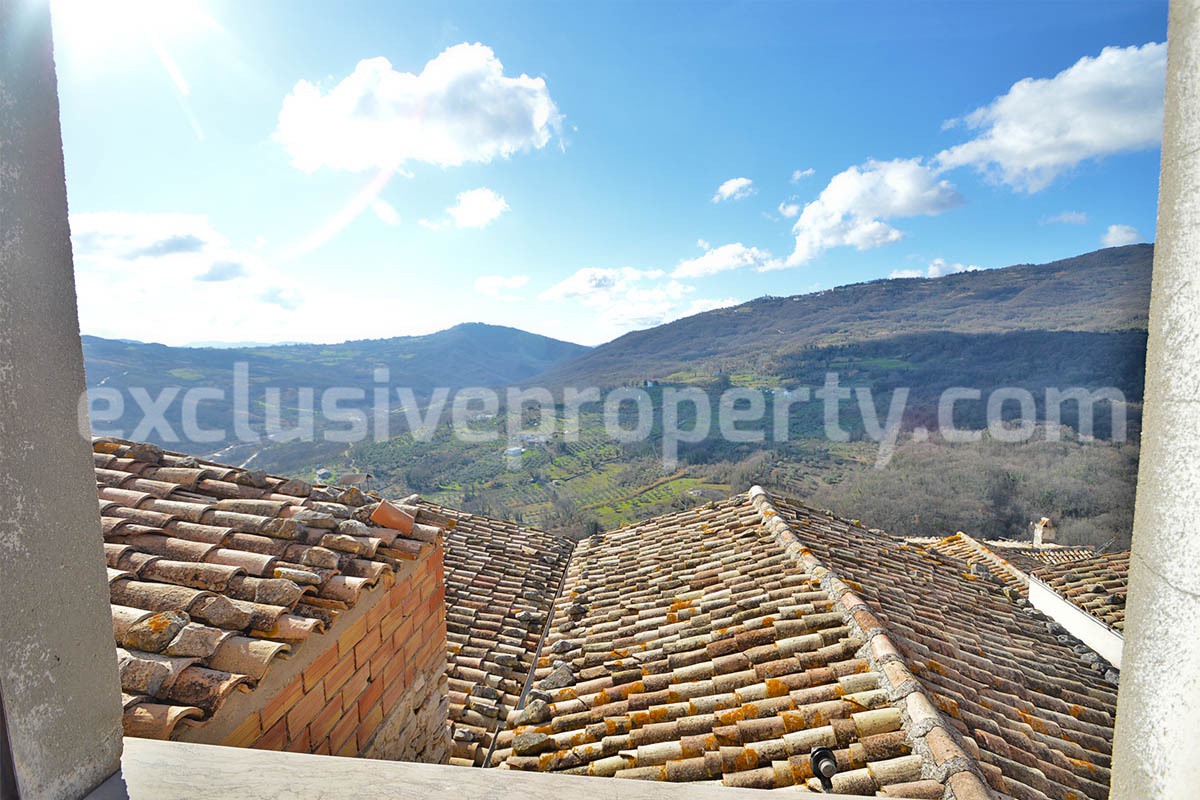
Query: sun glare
point(103, 34)
point(92, 27)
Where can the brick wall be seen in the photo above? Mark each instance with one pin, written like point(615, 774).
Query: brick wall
point(378, 689)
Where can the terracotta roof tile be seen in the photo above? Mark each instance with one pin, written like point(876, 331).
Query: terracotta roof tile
point(723, 643)
point(501, 581)
point(215, 572)
point(1038, 717)
point(984, 562)
point(1097, 584)
point(694, 647)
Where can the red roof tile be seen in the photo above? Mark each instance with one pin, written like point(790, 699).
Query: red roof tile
point(723, 643)
point(215, 571)
point(1097, 584)
point(501, 581)
point(1037, 718)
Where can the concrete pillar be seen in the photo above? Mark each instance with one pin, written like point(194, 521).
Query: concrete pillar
point(58, 677)
point(1157, 746)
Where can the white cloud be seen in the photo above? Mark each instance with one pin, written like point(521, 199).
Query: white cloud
point(734, 189)
point(498, 286)
point(1069, 218)
point(474, 208)
point(703, 244)
point(1112, 103)
point(722, 259)
point(169, 265)
point(1120, 235)
point(223, 271)
point(461, 108)
point(936, 269)
point(789, 209)
point(186, 282)
point(386, 212)
point(625, 297)
point(800, 174)
point(851, 210)
point(597, 286)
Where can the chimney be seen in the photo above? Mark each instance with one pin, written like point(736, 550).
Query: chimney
point(1043, 532)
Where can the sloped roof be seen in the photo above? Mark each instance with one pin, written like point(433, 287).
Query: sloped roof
point(984, 561)
point(501, 581)
point(1027, 557)
point(696, 647)
point(215, 571)
point(723, 643)
point(1037, 717)
point(1097, 584)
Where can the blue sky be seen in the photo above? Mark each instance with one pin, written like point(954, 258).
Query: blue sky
point(254, 172)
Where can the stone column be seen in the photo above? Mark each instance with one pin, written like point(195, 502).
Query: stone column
point(1156, 752)
point(58, 676)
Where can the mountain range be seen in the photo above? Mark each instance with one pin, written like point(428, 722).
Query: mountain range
point(1080, 320)
point(1103, 291)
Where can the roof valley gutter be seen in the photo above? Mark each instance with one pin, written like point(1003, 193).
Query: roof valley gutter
point(1087, 628)
point(537, 654)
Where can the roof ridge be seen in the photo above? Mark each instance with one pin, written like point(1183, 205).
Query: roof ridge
point(992, 557)
point(941, 751)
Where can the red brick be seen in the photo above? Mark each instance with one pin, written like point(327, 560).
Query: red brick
point(323, 724)
point(388, 625)
point(274, 738)
point(351, 636)
point(404, 633)
point(299, 744)
point(323, 749)
point(315, 672)
point(408, 603)
point(344, 731)
point(304, 711)
point(377, 612)
point(337, 676)
point(432, 632)
point(369, 698)
point(273, 711)
point(367, 727)
point(383, 656)
point(400, 591)
point(354, 687)
point(246, 733)
point(391, 695)
point(394, 669)
point(366, 647)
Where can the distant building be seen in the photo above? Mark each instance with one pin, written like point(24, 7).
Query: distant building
point(324, 475)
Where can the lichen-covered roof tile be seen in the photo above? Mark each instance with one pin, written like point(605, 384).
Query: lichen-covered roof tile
point(215, 572)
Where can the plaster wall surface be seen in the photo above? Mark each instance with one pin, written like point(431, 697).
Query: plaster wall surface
point(1156, 750)
point(58, 671)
